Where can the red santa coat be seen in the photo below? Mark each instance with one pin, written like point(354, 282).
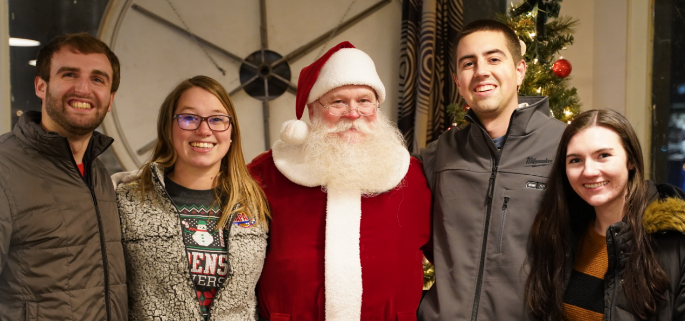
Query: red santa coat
point(394, 228)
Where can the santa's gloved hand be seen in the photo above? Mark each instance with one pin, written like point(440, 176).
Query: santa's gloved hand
point(124, 177)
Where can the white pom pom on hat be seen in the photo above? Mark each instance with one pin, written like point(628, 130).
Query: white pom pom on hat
point(294, 132)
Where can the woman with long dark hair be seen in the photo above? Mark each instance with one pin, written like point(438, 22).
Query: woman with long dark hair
point(194, 223)
point(606, 244)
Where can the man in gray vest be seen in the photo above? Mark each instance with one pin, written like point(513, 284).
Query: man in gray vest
point(487, 180)
point(60, 241)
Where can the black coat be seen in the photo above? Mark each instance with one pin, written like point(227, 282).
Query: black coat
point(664, 220)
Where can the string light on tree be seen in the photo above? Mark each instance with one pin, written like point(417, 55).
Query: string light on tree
point(546, 33)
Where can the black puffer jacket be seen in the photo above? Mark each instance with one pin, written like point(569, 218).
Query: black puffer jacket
point(664, 220)
point(60, 241)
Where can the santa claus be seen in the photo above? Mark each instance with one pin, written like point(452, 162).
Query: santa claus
point(350, 208)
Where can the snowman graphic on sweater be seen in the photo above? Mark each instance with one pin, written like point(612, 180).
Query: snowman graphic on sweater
point(201, 236)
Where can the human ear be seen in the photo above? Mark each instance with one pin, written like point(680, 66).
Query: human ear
point(111, 101)
point(521, 72)
point(310, 111)
point(41, 87)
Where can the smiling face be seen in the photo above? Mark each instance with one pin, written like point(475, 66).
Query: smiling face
point(487, 77)
point(201, 149)
point(597, 168)
point(78, 95)
point(351, 95)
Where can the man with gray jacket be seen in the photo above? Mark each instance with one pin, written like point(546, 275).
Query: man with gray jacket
point(487, 180)
point(60, 241)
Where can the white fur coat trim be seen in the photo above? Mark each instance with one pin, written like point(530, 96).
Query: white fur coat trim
point(342, 262)
point(289, 160)
point(343, 269)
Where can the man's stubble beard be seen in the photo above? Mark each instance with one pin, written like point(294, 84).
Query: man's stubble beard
point(57, 110)
point(366, 159)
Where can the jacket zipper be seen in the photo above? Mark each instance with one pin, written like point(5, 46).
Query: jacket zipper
point(615, 276)
point(230, 270)
point(103, 244)
point(501, 227)
point(481, 266)
point(491, 190)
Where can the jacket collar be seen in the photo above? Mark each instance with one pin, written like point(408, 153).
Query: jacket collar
point(51, 144)
point(158, 174)
point(524, 120)
point(666, 211)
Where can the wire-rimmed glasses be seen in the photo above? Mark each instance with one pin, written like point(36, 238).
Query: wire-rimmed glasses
point(364, 108)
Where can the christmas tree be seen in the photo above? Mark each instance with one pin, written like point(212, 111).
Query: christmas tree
point(547, 74)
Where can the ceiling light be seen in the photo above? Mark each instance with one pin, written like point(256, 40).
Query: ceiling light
point(32, 62)
point(20, 42)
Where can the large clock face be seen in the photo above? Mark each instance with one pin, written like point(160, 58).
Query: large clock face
point(255, 49)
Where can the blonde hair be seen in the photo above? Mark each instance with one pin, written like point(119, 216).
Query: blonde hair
point(234, 187)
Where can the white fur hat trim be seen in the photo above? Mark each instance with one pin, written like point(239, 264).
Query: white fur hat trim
point(348, 66)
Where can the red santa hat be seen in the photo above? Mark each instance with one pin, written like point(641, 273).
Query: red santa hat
point(339, 66)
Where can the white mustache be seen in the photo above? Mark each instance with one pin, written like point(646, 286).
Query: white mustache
point(359, 124)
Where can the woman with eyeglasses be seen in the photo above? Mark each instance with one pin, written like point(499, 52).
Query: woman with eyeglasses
point(606, 244)
point(194, 223)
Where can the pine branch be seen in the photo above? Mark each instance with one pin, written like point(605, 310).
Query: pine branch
point(539, 57)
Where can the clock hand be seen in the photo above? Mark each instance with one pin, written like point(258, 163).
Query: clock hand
point(262, 27)
point(184, 31)
point(239, 88)
point(292, 88)
point(192, 36)
point(141, 151)
point(265, 114)
point(307, 48)
point(335, 31)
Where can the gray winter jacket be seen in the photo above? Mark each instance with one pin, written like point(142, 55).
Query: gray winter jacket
point(158, 276)
point(60, 241)
point(484, 203)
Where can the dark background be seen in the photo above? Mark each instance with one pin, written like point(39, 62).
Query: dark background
point(668, 93)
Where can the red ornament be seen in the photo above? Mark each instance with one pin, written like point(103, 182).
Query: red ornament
point(562, 68)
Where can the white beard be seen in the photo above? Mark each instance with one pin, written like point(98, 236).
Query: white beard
point(348, 166)
point(366, 160)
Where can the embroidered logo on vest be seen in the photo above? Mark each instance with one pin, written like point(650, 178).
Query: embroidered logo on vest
point(243, 221)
